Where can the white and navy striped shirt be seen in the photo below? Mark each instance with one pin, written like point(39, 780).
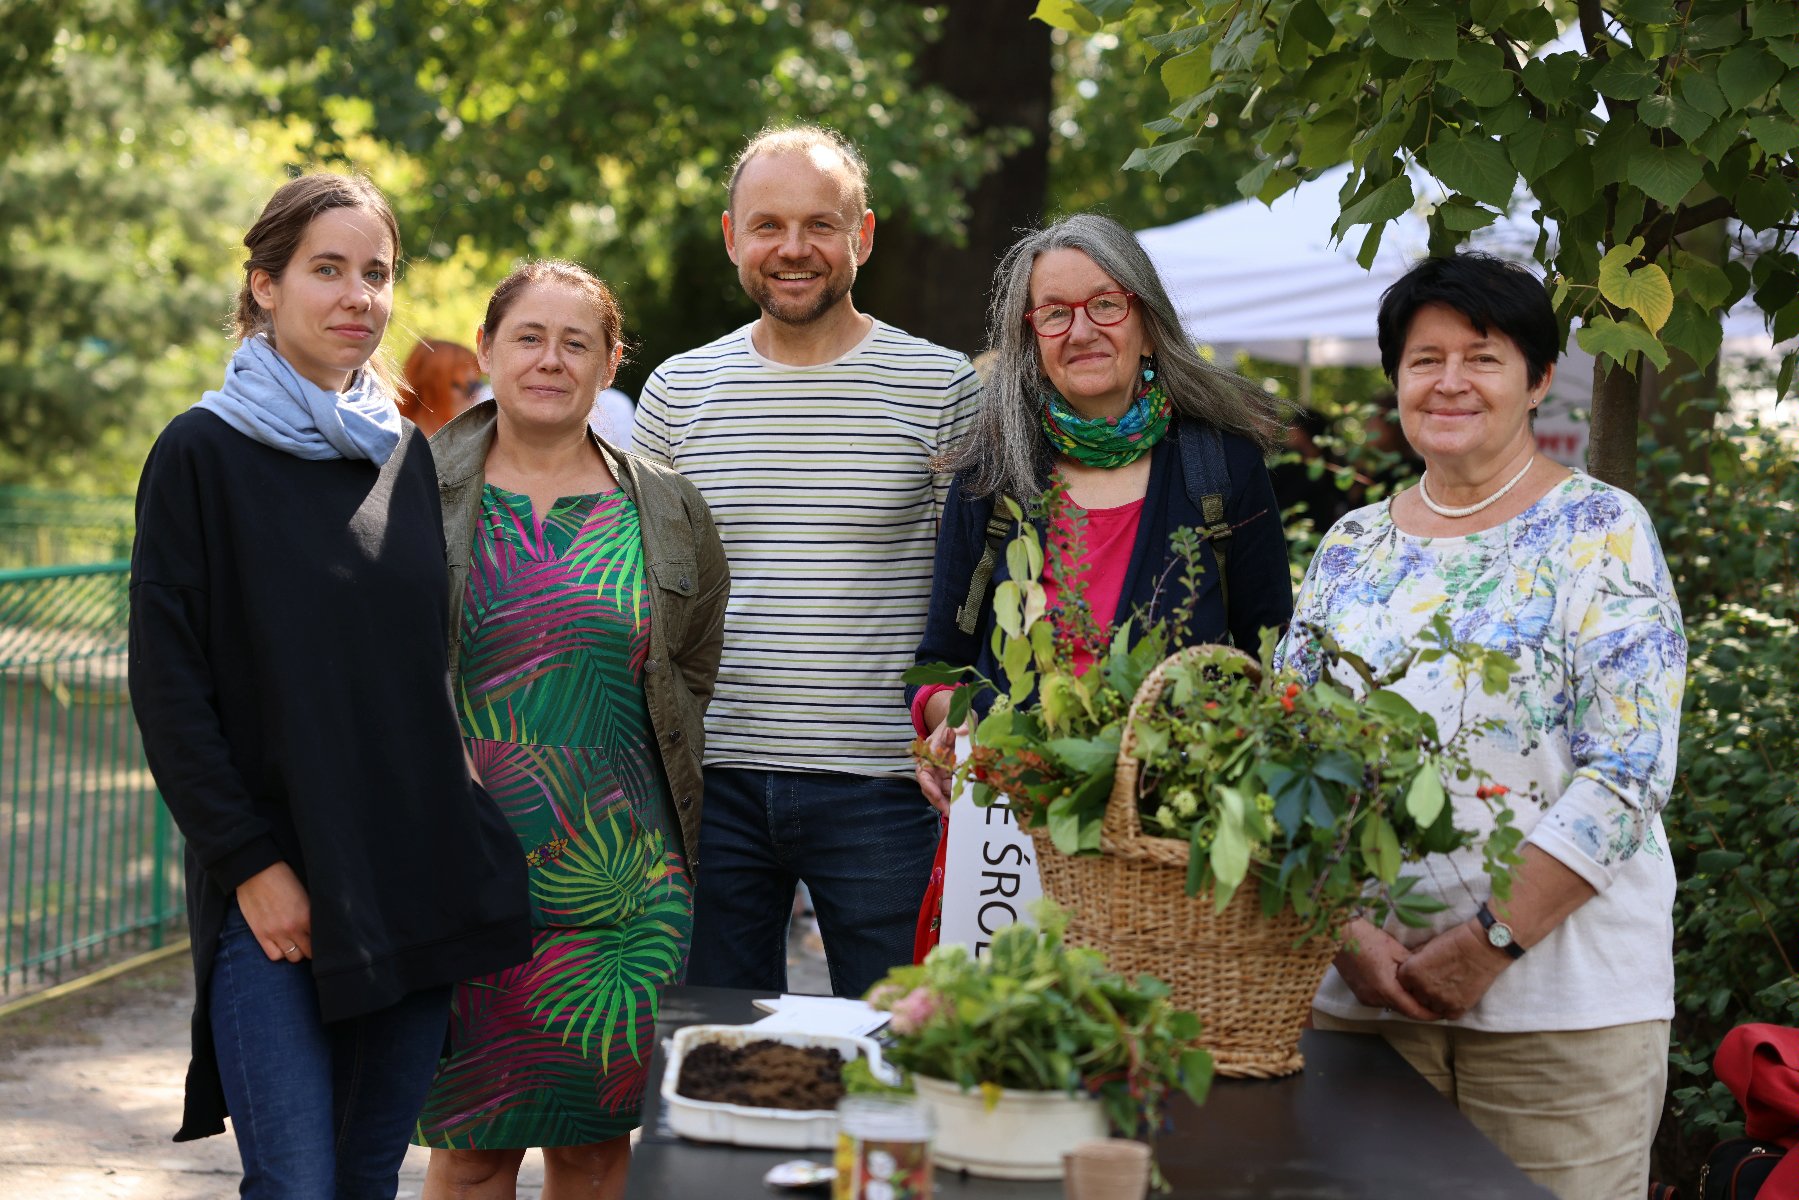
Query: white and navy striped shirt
point(820, 482)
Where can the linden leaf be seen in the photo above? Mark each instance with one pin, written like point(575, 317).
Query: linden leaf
point(1644, 291)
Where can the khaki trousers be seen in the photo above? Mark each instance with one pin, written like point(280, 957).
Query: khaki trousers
point(1575, 1109)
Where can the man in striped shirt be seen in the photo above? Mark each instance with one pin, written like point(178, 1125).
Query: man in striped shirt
point(811, 431)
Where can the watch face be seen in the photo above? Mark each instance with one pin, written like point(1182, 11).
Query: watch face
point(1500, 935)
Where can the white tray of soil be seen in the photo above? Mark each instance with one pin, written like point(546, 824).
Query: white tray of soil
point(753, 1087)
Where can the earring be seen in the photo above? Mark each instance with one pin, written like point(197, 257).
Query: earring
point(1149, 368)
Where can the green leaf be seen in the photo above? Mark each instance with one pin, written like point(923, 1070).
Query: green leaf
point(1774, 18)
point(1480, 74)
point(1384, 203)
point(1717, 862)
point(1185, 74)
point(1645, 291)
point(1086, 755)
point(1777, 136)
point(1066, 14)
point(1160, 158)
point(1699, 89)
point(1693, 331)
point(1421, 29)
point(925, 673)
point(1665, 173)
point(1714, 31)
point(1425, 798)
point(1008, 607)
point(1671, 112)
point(1551, 78)
point(1386, 849)
point(1783, 383)
point(1626, 75)
point(1701, 279)
point(1474, 165)
point(1337, 766)
point(1309, 21)
point(1746, 73)
point(1618, 340)
point(1764, 201)
point(1253, 180)
point(1323, 142)
point(1230, 844)
point(1463, 215)
point(1391, 703)
point(1540, 147)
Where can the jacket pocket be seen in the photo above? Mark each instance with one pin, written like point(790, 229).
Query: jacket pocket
point(677, 583)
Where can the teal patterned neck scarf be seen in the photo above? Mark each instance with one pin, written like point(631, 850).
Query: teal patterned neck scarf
point(1097, 442)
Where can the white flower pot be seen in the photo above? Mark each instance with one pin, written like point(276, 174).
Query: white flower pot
point(1022, 1137)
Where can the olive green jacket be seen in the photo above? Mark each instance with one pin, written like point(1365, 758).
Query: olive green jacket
point(689, 584)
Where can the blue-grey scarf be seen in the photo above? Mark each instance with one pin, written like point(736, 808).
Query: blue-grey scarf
point(265, 398)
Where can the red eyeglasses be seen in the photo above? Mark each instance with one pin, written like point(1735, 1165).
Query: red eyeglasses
point(1056, 319)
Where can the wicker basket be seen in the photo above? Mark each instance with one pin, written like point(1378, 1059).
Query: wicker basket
point(1240, 971)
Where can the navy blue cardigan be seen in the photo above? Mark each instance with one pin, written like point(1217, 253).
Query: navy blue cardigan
point(1261, 590)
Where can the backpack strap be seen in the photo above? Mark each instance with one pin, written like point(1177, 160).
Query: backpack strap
point(999, 525)
point(1208, 481)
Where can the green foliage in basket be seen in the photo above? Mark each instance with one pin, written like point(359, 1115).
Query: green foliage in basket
point(1049, 742)
point(1038, 1014)
point(1316, 795)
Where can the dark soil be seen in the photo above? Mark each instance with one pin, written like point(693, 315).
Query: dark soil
point(764, 1074)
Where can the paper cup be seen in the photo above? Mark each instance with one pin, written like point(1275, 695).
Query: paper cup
point(1108, 1169)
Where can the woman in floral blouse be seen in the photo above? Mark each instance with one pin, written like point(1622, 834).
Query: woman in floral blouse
point(1545, 1016)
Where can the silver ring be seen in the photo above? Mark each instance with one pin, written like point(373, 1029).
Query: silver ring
point(291, 950)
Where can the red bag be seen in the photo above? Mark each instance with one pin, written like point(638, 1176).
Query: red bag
point(930, 910)
point(1760, 1066)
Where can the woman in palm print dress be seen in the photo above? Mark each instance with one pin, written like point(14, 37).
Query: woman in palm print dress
point(587, 596)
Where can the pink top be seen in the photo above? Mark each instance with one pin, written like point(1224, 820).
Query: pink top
point(1110, 535)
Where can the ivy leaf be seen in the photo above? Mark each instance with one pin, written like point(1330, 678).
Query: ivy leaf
point(1425, 798)
point(1422, 29)
point(1645, 291)
point(1474, 165)
point(1159, 158)
point(1384, 203)
point(1665, 173)
point(1617, 340)
point(1746, 73)
point(1626, 75)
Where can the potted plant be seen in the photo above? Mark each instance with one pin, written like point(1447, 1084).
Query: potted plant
point(1036, 1046)
point(1150, 779)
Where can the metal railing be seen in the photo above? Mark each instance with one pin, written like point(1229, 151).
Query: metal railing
point(90, 861)
point(44, 529)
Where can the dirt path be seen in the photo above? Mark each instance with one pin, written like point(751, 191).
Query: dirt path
point(90, 1090)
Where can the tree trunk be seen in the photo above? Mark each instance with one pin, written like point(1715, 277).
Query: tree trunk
point(1612, 445)
point(996, 60)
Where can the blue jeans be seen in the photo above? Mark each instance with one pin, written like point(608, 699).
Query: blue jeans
point(863, 845)
point(321, 1112)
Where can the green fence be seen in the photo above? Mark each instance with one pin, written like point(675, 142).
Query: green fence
point(46, 529)
point(90, 860)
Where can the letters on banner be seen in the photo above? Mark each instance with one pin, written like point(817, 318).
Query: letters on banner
point(989, 871)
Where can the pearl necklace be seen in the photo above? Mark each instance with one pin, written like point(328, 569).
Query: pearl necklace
point(1490, 501)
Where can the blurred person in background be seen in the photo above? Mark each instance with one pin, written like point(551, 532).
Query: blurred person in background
point(442, 380)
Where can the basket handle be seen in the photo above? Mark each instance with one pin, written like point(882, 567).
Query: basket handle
point(1122, 824)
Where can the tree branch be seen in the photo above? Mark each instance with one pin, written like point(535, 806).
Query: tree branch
point(1514, 63)
point(1685, 220)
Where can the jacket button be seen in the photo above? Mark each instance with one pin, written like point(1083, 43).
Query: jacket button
point(686, 801)
point(675, 736)
point(686, 583)
point(652, 666)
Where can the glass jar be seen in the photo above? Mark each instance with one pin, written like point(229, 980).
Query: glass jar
point(883, 1149)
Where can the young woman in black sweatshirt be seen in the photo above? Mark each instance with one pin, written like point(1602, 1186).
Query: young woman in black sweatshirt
point(343, 868)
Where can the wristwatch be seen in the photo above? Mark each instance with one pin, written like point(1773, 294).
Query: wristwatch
point(1499, 934)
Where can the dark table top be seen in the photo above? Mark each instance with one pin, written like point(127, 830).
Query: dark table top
point(1356, 1123)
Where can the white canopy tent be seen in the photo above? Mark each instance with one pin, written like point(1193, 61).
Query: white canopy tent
point(1267, 280)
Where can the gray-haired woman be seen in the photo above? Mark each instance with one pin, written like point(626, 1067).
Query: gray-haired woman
point(1094, 383)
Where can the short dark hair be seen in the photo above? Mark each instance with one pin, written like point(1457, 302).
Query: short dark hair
point(1489, 291)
